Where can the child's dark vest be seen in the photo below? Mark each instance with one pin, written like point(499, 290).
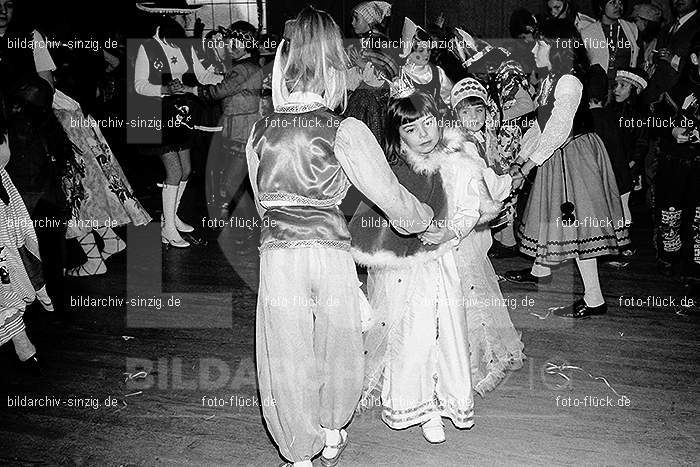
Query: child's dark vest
point(432, 87)
point(376, 243)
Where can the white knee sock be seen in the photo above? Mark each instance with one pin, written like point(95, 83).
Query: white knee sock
point(332, 437)
point(540, 271)
point(23, 346)
point(626, 208)
point(506, 236)
point(593, 295)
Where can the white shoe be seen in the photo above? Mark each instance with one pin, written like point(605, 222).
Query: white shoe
point(181, 226)
point(168, 232)
point(434, 430)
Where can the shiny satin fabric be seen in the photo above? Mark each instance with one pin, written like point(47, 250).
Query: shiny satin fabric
point(300, 181)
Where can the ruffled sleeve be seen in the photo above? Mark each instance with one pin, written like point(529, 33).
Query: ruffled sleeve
point(363, 161)
point(204, 75)
point(567, 96)
point(253, 162)
point(445, 86)
point(141, 83)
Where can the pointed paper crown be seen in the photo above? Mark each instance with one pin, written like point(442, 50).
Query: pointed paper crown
point(402, 86)
point(409, 35)
point(470, 49)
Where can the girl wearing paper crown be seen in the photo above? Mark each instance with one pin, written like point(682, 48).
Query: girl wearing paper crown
point(414, 282)
point(574, 209)
point(302, 159)
point(426, 77)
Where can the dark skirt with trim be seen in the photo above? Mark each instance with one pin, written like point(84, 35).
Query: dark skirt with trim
point(599, 225)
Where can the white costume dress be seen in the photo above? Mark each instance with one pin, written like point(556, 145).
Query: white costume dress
point(473, 192)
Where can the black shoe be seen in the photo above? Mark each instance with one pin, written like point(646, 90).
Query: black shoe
point(665, 268)
point(194, 238)
point(498, 251)
point(580, 310)
point(31, 366)
point(524, 276)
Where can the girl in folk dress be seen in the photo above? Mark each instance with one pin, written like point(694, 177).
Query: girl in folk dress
point(574, 210)
point(417, 349)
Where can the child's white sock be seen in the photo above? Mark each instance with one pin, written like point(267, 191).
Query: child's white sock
point(593, 295)
point(332, 439)
point(540, 271)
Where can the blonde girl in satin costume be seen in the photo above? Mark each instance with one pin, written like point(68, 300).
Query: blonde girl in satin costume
point(308, 324)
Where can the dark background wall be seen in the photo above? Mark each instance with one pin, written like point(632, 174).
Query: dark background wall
point(487, 18)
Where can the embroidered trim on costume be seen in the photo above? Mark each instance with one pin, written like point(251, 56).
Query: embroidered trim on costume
point(299, 108)
point(465, 418)
point(281, 244)
point(291, 199)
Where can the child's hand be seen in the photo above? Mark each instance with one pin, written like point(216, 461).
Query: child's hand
point(436, 235)
point(680, 134)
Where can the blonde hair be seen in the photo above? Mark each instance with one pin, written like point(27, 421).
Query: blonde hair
point(313, 59)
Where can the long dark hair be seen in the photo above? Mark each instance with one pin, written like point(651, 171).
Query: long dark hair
point(567, 53)
point(172, 31)
point(569, 11)
point(403, 111)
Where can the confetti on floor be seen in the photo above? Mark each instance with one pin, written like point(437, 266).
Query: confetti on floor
point(553, 369)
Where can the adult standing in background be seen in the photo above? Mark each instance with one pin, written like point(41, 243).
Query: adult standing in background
point(647, 17)
point(567, 10)
point(611, 42)
point(673, 48)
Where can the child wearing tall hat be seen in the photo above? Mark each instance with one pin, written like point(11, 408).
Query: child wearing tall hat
point(426, 77)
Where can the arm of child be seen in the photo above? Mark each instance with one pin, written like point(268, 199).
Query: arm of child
point(446, 86)
point(233, 83)
point(529, 142)
point(467, 213)
point(141, 84)
point(203, 75)
point(567, 96)
point(364, 162)
point(253, 163)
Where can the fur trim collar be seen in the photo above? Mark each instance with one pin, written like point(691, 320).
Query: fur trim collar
point(384, 259)
point(451, 143)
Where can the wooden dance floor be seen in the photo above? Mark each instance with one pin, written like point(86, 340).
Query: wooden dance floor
point(130, 384)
